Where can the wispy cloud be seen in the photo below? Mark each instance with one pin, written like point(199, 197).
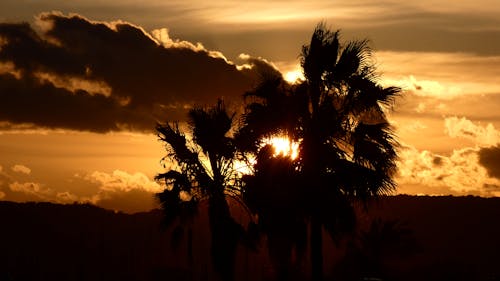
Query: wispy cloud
point(441, 75)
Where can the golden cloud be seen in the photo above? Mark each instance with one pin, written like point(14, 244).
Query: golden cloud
point(21, 169)
point(464, 128)
point(31, 188)
point(459, 173)
point(122, 181)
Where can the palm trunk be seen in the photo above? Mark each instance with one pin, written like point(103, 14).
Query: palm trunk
point(223, 237)
point(311, 170)
point(311, 143)
point(316, 242)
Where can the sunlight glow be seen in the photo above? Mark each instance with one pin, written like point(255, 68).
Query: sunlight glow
point(294, 76)
point(283, 146)
point(245, 167)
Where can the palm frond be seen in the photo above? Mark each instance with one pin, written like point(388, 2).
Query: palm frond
point(210, 127)
point(320, 56)
point(171, 200)
point(174, 139)
point(353, 58)
point(374, 143)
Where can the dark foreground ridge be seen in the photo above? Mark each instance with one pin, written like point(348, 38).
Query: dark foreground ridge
point(451, 238)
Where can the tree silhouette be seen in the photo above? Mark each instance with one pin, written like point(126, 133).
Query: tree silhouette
point(203, 168)
point(271, 192)
point(347, 149)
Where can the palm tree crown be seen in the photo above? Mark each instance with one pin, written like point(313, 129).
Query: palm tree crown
point(337, 114)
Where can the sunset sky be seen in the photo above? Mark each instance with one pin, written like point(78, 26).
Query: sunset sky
point(82, 84)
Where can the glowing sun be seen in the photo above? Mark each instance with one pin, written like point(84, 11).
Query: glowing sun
point(294, 76)
point(283, 146)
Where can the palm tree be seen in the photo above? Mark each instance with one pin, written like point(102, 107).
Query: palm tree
point(271, 193)
point(337, 114)
point(203, 168)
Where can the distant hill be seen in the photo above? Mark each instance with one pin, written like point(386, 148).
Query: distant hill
point(44, 241)
point(458, 237)
point(418, 238)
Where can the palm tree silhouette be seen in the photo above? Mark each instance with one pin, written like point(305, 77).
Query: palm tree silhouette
point(271, 192)
point(347, 149)
point(203, 168)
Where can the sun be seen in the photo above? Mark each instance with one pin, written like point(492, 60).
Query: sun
point(283, 146)
point(294, 76)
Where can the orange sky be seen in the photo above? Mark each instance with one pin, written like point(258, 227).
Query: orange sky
point(80, 89)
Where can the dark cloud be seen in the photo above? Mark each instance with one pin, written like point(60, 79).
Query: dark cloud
point(148, 81)
point(491, 187)
point(26, 100)
point(489, 157)
point(437, 160)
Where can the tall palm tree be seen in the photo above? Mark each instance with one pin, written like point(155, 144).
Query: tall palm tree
point(337, 114)
point(202, 168)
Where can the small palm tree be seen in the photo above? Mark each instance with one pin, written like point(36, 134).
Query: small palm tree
point(202, 168)
point(347, 149)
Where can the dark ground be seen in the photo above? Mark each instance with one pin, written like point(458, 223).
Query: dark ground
point(413, 238)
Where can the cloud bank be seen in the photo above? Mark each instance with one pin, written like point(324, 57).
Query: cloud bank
point(469, 170)
point(118, 190)
point(73, 73)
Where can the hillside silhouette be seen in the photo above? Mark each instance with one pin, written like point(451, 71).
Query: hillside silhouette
point(456, 238)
